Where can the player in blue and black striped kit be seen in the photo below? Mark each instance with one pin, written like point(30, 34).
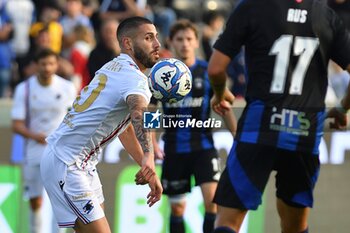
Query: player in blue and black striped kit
point(288, 45)
point(189, 150)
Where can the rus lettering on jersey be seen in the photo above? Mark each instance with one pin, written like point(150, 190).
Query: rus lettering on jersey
point(297, 15)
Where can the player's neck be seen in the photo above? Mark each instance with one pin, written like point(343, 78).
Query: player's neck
point(44, 81)
point(189, 61)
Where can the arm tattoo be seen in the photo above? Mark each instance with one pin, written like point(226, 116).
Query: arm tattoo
point(137, 104)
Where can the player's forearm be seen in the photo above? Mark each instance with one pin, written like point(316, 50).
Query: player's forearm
point(19, 127)
point(137, 104)
point(131, 144)
point(142, 134)
point(218, 84)
point(217, 72)
point(230, 122)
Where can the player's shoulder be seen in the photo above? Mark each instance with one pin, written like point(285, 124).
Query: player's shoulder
point(28, 83)
point(63, 81)
point(245, 5)
point(202, 63)
point(121, 66)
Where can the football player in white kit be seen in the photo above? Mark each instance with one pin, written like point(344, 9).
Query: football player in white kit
point(112, 105)
point(39, 105)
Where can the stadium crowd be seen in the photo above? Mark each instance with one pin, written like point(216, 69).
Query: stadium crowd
point(82, 32)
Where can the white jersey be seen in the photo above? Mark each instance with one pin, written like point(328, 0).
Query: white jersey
point(99, 114)
point(42, 108)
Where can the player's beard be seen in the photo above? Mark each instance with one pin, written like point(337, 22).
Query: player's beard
point(144, 58)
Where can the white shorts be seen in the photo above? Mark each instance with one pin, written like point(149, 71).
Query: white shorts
point(33, 186)
point(73, 193)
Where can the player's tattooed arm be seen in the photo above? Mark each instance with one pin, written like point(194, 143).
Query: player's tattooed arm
point(137, 104)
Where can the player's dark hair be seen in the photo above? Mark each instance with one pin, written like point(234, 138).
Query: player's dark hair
point(128, 25)
point(182, 24)
point(44, 53)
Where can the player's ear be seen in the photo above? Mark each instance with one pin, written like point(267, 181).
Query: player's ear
point(127, 43)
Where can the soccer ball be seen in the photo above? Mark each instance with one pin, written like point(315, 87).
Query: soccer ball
point(170, 80)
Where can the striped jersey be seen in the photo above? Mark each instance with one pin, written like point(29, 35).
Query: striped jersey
point(287, 48)
point(196, 105)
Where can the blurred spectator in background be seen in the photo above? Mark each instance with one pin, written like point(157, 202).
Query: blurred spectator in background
point(107, 47)
point(6, 52)
point(237, 74)
point(73, 16)
point(339, 78)
point(163, 17)
point(122, 9)
point(21, 24)
point(90, 7)
point(49, 18)
point(84, 42)
point(213, 25)
point(43, 41)
point(40, 104)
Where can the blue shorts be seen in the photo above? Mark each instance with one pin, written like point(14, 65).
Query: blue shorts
point(248, 169)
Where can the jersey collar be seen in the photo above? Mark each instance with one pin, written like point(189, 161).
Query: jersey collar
point(128, 59)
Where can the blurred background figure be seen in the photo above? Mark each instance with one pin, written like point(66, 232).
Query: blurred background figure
point(21, 25)
point(72, 17)
point(79, 55)
point(338, 78)
point(189, 151)
point(237, 74)
point(107, 46)
point(6, 52)
point(163, 17)
point(43, 40)
point(213, 25)
point(39, 106)
point(122, 9)
point(48, 18)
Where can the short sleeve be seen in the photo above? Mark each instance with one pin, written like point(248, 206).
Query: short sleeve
point(137, 85)
point(235, 32)
point(18, 111)
point(340, 52)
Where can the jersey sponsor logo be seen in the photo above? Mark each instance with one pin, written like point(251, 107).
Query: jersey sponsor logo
point(188, 102)
point(290, 121)
point(296, 15)
point(81, 196)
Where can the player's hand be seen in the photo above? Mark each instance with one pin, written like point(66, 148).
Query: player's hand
point(224, 104)
point(156, 191)
point(40, 138)
point(158, 153)
point(147, 171)
point(340, 119)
